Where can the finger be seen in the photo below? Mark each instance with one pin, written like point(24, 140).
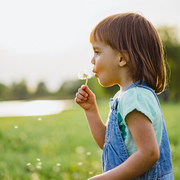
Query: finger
point(88, 91)
point(82, 92)
point(79, 100)
point(80, 96)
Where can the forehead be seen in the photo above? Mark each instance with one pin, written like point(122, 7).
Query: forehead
point(98, 44)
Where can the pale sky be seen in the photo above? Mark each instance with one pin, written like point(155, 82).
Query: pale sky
point(48, 40)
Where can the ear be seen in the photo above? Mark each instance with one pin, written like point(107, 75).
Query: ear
point(123, 59)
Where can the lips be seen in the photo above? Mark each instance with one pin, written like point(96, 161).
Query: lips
point(95, 73)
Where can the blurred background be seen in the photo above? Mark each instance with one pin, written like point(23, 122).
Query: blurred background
point(44, 44)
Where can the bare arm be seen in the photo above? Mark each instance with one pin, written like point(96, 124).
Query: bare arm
point(147, 150)
point(86, 99)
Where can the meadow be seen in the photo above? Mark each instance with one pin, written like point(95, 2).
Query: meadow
point(60, 147)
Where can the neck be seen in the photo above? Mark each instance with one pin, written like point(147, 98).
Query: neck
point(125, 84)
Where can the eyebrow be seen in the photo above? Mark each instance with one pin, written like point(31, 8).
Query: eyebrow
point(96, 47)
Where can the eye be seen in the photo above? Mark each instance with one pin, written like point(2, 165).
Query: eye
point(96, 52)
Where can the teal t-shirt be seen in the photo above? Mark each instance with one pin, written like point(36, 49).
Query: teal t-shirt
point(144, 101)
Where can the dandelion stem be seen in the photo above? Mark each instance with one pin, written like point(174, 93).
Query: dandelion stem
point(86, 81)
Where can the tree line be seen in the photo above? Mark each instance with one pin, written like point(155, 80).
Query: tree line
point(171, 43)
point(20, 91)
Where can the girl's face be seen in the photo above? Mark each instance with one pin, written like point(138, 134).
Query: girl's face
point(106, 64)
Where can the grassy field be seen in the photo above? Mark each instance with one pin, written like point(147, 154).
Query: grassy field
point(60, 146)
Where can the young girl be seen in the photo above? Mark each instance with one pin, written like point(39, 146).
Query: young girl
point(129, 52)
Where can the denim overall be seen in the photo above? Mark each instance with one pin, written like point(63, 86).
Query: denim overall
point(115, 153)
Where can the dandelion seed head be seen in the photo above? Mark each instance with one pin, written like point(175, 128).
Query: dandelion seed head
point(39, 119)
point(38, 159)
point(84, 74)
point(15, 127)
point(28, 164)
point(90, 172)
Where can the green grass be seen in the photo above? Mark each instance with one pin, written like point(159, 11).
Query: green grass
point(61, 146)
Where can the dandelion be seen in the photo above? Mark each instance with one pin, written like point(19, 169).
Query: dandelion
point(88, 153)
point(15, 127)
point(80, 163)
point(28, 164)
point(39, 119)
point(38, 159)
point(58, 164)
point(38, 167)
point(84, 74)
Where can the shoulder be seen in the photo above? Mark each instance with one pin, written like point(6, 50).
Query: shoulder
point(138, 92)
point(139, 98)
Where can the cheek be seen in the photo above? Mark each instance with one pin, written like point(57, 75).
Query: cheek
point(99, 65)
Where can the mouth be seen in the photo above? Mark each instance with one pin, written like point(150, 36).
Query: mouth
point(95, 73)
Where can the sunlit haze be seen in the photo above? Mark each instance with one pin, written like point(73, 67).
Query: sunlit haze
point(43, 40)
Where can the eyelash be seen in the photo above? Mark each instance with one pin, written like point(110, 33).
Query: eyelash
point(96, 52)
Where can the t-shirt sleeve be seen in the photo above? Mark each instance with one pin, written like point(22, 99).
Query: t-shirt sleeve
point(142, 100)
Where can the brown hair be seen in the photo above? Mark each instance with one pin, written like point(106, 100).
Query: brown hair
point(134, 35)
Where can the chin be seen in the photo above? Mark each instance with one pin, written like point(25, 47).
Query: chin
point(105, 84)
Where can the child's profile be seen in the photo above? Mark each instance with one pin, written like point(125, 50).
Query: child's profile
point(128, 51)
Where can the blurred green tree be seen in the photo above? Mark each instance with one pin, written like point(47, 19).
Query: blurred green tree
point(5, 92)
point(41, 90)
point(19, 91)
point(171, 42)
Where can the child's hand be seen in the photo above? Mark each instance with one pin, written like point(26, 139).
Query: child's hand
point(85, 98)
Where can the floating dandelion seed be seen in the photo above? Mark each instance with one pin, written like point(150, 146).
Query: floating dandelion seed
point(88, 153)
point(38, 167)
point(84, 74)
point(80, 163)
point(58, 164)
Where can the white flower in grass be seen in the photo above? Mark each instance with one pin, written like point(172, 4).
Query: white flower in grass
point(84, 74)
point(38, 167)
point(88, 153)
point(58, 164)
point(80, 163)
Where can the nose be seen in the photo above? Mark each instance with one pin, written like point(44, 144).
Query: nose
point(93, 61)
